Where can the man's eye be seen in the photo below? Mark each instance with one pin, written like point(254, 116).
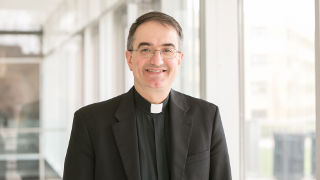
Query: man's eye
point(145, 50)
point(167, 50)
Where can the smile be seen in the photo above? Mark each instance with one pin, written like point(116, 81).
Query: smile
point(156, 70)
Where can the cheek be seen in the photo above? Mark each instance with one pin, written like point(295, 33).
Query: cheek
point(139, 65)
point(173, 67)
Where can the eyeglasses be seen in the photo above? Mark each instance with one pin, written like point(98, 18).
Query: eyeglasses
point(146, 52)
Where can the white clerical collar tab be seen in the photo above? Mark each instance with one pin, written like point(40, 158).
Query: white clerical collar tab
point(156, 108)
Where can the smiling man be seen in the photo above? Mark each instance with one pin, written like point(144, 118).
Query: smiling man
point(151, 132)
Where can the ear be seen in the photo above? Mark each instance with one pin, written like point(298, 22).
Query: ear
point(180, 57)
point(129, 59)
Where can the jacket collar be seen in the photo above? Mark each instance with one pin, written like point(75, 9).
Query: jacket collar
point(180, 126)
point(125, 132)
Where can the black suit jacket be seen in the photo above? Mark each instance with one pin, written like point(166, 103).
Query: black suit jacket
point(104, 143)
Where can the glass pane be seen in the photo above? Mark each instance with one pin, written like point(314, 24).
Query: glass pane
point(187, 14)
point(25, 170)
point(19, 95)
point(19, 169)
point(19, 120)
point(279, 89)
point(61, 85)
point(54, 144)
point(20, 46)
point(14, 142)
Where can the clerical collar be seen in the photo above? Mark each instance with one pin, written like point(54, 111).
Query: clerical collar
point(144, 105)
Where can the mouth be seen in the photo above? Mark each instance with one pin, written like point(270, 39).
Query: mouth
point(156, 70)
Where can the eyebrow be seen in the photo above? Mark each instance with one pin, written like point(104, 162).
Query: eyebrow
point(150, 44)
point(169, 44)
point(144, 44)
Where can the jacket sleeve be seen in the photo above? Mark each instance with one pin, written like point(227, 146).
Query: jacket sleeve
point(219, 157)
point(79, 161)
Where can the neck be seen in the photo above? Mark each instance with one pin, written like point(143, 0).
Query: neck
point(154, 96)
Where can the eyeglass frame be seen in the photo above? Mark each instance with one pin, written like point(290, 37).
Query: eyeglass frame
point(153, 52)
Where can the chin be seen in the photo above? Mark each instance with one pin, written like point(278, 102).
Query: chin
point(157, 85)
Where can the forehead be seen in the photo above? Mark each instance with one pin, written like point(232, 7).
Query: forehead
point(155, 34)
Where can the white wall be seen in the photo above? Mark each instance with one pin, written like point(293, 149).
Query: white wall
point(61, 92)
point(222, 70)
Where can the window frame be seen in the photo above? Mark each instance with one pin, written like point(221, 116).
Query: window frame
point(317, 78)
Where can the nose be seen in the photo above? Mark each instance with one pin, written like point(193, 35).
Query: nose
point(156, 59)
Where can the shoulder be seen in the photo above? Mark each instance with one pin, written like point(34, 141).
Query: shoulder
point(103, 107)
point(194, 103)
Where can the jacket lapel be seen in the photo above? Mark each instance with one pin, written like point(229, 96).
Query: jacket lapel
point(180, 126)
point(125, 132)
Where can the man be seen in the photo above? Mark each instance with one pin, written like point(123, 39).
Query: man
point(151, 132)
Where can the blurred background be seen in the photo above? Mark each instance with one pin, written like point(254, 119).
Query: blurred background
point(253, 58)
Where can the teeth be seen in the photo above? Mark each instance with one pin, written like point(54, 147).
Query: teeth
point(151, 70)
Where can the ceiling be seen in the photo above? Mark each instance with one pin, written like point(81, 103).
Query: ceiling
point(19, 14)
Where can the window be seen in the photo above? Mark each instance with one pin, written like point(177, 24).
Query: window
point(19, 118)
point(20, 45)
point(279, 89)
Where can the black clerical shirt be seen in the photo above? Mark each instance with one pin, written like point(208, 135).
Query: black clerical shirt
point(153, 156)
